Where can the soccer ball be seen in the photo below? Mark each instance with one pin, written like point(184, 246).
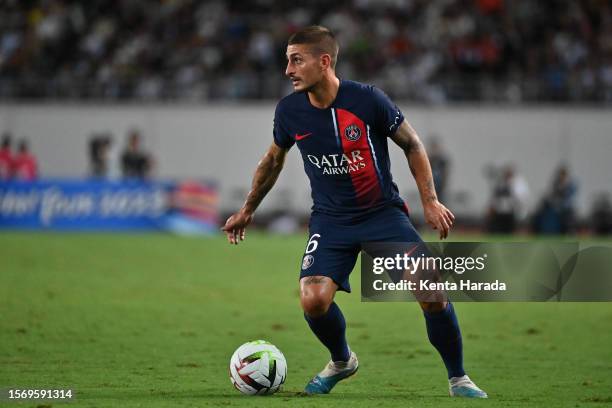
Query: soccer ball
point(258, 368)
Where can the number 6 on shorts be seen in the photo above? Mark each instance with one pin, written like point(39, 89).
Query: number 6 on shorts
point(312, 243)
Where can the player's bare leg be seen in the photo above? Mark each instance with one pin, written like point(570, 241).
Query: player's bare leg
point(327, 323)
point(317, 294)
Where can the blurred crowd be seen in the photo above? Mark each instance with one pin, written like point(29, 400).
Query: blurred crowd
point(107, 162)
point(554, 214)
point(430, 51)
point(16, 163)
point(508, 211)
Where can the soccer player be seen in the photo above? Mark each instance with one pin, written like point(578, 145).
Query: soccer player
point(342, 129)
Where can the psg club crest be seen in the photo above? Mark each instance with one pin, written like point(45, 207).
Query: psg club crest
point(307, 262)
point(352, 132)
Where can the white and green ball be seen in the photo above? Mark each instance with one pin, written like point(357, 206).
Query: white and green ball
point(257, 368)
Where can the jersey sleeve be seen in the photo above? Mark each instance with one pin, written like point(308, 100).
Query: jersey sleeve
point(388, 115)
point(282, 138)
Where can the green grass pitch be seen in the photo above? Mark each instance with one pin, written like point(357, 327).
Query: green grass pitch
point(152, 320)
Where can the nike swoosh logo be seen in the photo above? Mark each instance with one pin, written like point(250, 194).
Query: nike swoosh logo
point(304, 136)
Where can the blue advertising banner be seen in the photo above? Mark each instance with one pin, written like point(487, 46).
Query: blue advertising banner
point(189, 207)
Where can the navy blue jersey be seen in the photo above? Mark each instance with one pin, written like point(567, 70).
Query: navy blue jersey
point(344, 147)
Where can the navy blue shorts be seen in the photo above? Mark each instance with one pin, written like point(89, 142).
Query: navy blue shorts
point(333, 246)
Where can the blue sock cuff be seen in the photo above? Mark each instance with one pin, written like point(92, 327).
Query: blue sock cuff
point(331, 309)
point(442, 313)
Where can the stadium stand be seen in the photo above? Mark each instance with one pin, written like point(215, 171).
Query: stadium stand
point(419, 50)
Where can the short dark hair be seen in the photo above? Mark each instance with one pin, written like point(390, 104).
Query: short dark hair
point(321, 38)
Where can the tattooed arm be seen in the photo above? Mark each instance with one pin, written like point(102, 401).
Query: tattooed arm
point(266, 174)
point(436, 215)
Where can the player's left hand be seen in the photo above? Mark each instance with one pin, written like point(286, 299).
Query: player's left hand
point(439, 217)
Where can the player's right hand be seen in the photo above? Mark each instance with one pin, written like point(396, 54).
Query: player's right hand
point(235, 226)
point(439, 218)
